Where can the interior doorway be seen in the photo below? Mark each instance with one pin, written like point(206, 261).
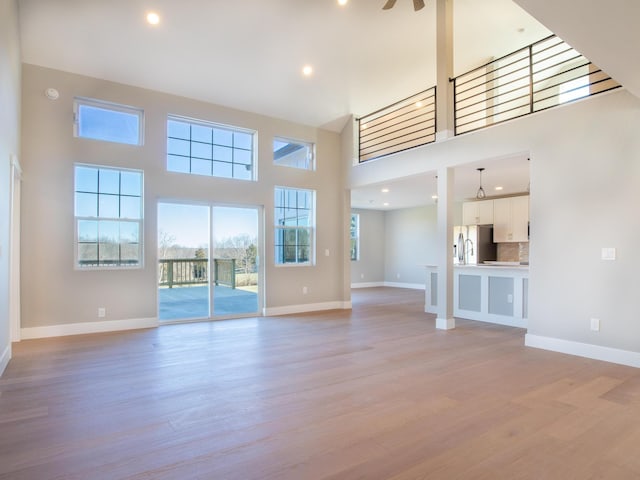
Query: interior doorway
point(208, 261)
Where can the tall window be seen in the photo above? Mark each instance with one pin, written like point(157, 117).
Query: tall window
point(294, 225)
point(355, 236)
point(203, 148)
point(108, 217)
point(108, 122)
point(292, 153)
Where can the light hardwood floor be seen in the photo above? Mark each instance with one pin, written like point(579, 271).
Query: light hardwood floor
point(377, 393)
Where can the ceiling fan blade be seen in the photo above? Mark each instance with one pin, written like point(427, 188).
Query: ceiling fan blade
point(389, 4)
point(418, 5)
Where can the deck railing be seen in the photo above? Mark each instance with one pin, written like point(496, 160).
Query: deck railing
point(194, 271)
point(543, 75)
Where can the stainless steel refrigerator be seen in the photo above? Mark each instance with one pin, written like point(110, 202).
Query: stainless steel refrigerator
point(473, 244)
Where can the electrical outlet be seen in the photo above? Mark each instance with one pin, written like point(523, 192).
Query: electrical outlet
point(595, 324)
point(305, 290)
point(510, 298)
point(397, 275)
point(102, 312)
point(362, 275)
point(326, 252)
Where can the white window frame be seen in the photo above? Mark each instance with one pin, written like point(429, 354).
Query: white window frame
point(139, 221)
point(310, 148)
point(311, 229)
point(219, 126)
point(105, 105)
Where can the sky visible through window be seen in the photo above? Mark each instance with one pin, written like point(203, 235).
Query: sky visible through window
point(108, 125)
point(189, 224)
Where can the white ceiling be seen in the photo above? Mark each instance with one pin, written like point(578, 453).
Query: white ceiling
point(511, 173)
point(249, 55)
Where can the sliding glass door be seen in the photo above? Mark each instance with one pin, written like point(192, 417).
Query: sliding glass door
point(207, 261)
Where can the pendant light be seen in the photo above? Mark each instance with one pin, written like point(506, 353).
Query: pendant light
point(480, 193)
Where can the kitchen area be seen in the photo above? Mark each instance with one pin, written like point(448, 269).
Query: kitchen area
point(491, 262)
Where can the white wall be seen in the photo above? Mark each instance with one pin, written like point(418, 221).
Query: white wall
point(585, 172)
point(369, 268)
point(9, 144)
point(53, 293)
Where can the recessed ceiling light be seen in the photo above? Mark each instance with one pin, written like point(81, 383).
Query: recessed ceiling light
point(386, 204)
point(307, 70)
point(364, 125)
point(418, 104)
point(153, 18)
point(434, 197)
point(342, 3)
point(385, 190)
point(498, 188)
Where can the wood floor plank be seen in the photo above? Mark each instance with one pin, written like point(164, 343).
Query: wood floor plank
point(372, 393)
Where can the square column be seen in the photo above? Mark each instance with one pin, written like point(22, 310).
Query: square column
point(446, 177)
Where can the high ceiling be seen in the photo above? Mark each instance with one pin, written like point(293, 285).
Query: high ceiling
point(249, 54)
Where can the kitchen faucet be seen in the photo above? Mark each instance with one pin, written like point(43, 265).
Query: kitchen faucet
point(466, 250)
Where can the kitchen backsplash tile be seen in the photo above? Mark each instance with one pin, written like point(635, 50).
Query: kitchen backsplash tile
point(513, 252)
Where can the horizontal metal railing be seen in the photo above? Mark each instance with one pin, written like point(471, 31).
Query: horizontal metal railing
point(406, 124)
point(543, 75)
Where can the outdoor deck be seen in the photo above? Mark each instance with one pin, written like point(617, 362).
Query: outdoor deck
point(193, 302)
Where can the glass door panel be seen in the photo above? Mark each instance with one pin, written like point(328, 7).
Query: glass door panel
point(235, 261)
point(183, 261)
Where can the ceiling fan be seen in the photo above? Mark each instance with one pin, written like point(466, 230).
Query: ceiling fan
point(417, 4)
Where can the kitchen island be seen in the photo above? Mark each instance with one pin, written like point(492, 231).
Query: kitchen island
point(487, 293)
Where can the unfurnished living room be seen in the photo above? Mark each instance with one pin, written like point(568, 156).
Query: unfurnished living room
point(321, 239)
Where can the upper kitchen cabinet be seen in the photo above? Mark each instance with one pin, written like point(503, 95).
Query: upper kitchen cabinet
point(511, 219)
point(477, 213)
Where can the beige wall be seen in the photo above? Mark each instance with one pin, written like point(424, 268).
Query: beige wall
point(9, 145)
point(54, 293)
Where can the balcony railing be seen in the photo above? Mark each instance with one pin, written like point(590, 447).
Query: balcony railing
point(406, 124)
point(194, 271)
point(545, 74)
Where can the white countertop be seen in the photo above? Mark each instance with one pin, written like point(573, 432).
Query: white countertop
point(486, 266)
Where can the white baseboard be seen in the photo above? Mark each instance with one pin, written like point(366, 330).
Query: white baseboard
point(414, 286)
point(4, 359)
point(445, 323)
point(596, 352)
point(309, 307)
point(88, 327)
point(367, 285)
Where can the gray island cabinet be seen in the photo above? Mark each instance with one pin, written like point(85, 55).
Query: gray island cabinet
point(487, 293)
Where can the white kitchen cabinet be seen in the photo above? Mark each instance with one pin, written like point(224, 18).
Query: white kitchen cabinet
point(511, 219)
point(477, 213)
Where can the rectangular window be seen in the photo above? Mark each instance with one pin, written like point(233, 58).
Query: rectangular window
point(108, 122)
point(291, 153)
point(203, 148)
point(108, 217)
point(294, 226)
point(355, 236)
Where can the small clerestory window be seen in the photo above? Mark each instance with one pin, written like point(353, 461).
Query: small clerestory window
point(108, 122)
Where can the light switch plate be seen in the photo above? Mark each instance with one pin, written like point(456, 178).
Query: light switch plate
point(608, 253)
